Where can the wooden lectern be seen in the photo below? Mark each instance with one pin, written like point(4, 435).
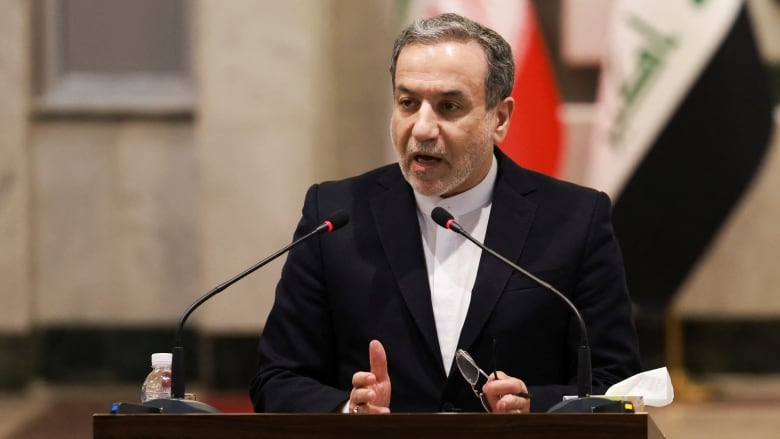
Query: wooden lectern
point(392, 426)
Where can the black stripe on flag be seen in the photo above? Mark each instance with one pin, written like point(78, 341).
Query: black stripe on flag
point(695, 173)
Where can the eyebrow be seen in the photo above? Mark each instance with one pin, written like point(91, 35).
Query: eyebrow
point(446, 94)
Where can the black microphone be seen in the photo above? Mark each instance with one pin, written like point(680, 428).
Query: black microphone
point(584, 402)
point(334, 221)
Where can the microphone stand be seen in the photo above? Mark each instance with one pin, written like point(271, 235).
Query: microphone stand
point(584, 403)
point(177, 362)
point(177, 403)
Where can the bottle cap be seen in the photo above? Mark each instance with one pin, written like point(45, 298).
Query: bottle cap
point(162, 359)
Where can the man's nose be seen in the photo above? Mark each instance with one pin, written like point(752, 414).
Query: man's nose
point(426, 127)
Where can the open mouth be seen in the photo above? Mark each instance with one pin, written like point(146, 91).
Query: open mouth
point(424, 159)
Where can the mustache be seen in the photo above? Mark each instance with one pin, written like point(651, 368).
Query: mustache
point(414, 147)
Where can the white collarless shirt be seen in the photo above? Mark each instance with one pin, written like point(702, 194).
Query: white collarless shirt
point(451, 260)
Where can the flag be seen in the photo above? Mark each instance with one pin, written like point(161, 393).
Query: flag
point(535, 137)
point(683, 122)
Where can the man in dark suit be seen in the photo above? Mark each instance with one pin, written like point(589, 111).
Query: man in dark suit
point(368, 320)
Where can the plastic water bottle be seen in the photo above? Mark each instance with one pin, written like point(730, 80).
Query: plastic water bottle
point(158, 383)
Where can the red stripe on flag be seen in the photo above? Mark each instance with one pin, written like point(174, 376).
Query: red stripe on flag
point(535, 137)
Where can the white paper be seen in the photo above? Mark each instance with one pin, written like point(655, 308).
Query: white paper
point(654, 386)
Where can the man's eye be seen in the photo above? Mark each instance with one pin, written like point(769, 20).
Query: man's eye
point(407, 103)
point(449, 107)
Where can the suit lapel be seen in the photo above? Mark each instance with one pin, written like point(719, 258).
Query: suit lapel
point(399, 231)
point(510, 221)
point(511, 216)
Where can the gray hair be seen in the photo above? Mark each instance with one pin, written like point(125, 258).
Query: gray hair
point(453, 27)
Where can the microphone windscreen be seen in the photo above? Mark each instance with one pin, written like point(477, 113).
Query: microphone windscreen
point(337, 219)
point(442, 217)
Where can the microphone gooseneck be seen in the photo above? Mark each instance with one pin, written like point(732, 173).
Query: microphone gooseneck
point(333, 222)
point(584, 374)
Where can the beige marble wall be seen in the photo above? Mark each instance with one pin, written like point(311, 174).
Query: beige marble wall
point(14, 173)
point(134, 219)
point(765, 16)
point(290, 93)
point(115, 209)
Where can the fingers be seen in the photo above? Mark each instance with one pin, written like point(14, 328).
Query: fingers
point(378, 360)
point(363, 379)
point(501, 376)
point(371, 390)
point(513, 404)
point(507, 394)
point(363, 400)
point(504, 385)
point(362, 393)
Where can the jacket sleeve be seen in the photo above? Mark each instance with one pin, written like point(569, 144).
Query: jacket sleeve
point(296, 366)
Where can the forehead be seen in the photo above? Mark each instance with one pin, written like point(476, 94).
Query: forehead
point(447, 64)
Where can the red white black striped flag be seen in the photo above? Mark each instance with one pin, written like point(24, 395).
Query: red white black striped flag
point(684, 120)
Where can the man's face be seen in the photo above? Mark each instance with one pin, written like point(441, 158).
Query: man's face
point(442, 132)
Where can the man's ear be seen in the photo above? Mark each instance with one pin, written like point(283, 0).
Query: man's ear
point(504, 111)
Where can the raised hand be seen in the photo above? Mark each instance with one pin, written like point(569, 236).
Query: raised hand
point(371, 390)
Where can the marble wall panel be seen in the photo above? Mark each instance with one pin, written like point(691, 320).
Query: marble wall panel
point(302, 95)
point(157, 196)
point(115, 214)
point(74, 209)
point(14, 169)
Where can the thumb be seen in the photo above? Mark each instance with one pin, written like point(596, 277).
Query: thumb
point(378, 360)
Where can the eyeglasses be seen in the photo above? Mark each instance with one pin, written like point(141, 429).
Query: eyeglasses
point(471, 372)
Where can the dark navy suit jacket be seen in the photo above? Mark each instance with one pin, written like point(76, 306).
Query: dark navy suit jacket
point(368, 281)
